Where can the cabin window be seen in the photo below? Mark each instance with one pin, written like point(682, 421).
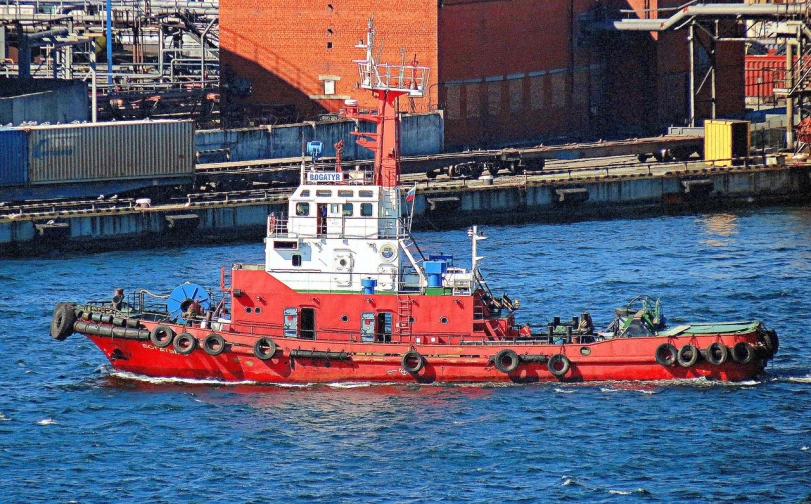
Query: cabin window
point(366, 194)
point(290, 322)
point(343, 193)
point(296, 259)
point(323, 193)
point(367, 326)
point(347, 210)
point(285, 245)
point(302, 209)
point(304, 193)
point(366, 209)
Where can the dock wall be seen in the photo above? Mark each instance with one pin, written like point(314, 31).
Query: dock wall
point(611, 195)
point(422, 134)
point(62, 103)
point(437, 206)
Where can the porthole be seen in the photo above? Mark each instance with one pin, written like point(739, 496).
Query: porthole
point(585, 350)
point(248, 309)
point(258, 310)
point(443, 319)
point(410, 320)
point(344, 318)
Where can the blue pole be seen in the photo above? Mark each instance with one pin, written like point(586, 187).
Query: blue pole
point(109, 41)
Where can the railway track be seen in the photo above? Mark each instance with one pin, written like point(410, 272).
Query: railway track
point(555, 171)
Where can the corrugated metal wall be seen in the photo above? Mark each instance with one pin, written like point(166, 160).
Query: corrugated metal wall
point(13, 157)
point(82, 152)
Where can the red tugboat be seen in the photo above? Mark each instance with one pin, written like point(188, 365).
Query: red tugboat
point(345, 294)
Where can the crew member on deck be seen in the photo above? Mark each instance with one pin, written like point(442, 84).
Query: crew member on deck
point(194, 310)
point(118, 299)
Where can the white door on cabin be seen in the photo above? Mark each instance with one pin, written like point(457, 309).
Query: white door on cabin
point(387, 277)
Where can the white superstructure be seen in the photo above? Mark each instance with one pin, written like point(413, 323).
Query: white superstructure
point(339, 231)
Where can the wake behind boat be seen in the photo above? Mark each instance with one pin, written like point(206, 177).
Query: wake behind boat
point(346, 295)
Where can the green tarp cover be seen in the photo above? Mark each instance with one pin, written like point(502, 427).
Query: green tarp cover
point(712, 328)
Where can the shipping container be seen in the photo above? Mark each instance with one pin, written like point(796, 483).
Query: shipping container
point(13, 157)
point(766, 72)
point(726, 142)
point(110, 151)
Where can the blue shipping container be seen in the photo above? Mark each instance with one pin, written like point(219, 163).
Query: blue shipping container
point(13, 157)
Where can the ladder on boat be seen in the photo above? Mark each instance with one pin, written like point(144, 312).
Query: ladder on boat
point(404, 317)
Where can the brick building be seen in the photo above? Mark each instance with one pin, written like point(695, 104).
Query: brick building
point(503, 71)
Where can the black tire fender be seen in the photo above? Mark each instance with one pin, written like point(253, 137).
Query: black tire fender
point(717, 353)
point(688, 356)
point(264, 348)
point(559, 365)
point(62, 322)
point(770, 341)
point(185, 343)
point(666, 354)
point(743, 352)
point(412, 361)
point(506, 361)
point(214, 344)
point(161, 336)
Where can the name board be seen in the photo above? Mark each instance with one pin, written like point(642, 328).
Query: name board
point(324, 177)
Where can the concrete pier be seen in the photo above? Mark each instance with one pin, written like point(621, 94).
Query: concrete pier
point(561, 192)
point(604, 192)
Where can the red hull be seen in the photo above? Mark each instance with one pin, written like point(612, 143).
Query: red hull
point(618, 359)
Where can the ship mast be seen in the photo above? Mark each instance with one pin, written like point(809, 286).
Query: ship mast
point(387, 83)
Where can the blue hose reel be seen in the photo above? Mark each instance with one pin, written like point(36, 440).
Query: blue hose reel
point(182, 297)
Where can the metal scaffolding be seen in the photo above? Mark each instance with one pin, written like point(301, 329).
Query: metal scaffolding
point(708, 24)
point(166, 62)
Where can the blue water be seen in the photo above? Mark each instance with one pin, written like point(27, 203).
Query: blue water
point(71, 431)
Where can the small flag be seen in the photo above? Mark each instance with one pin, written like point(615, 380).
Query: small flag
point(411, 194)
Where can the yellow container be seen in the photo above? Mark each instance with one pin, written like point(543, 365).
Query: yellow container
point(726, 142)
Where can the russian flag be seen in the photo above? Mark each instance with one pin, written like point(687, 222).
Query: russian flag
point(411, 194)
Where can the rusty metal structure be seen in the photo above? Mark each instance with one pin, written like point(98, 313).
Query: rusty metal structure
point(165, 64)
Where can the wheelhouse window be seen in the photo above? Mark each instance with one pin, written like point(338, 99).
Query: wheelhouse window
point(302, 209)
point(366, 209)
point(366, 194)
point(305, 193)
point(323, 193)
point(343, 193)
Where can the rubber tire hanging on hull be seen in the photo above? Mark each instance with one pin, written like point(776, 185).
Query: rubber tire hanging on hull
point(666, 354)
point(743, 352)
point(185, 343)
point(564, 362)
point(770, 341)
point(214, 344)
point(511, 358)
point(264, 348)
point(410, 356)
point(688, 356)
point(62, 322)
point(717, 353)
point(161, 336)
